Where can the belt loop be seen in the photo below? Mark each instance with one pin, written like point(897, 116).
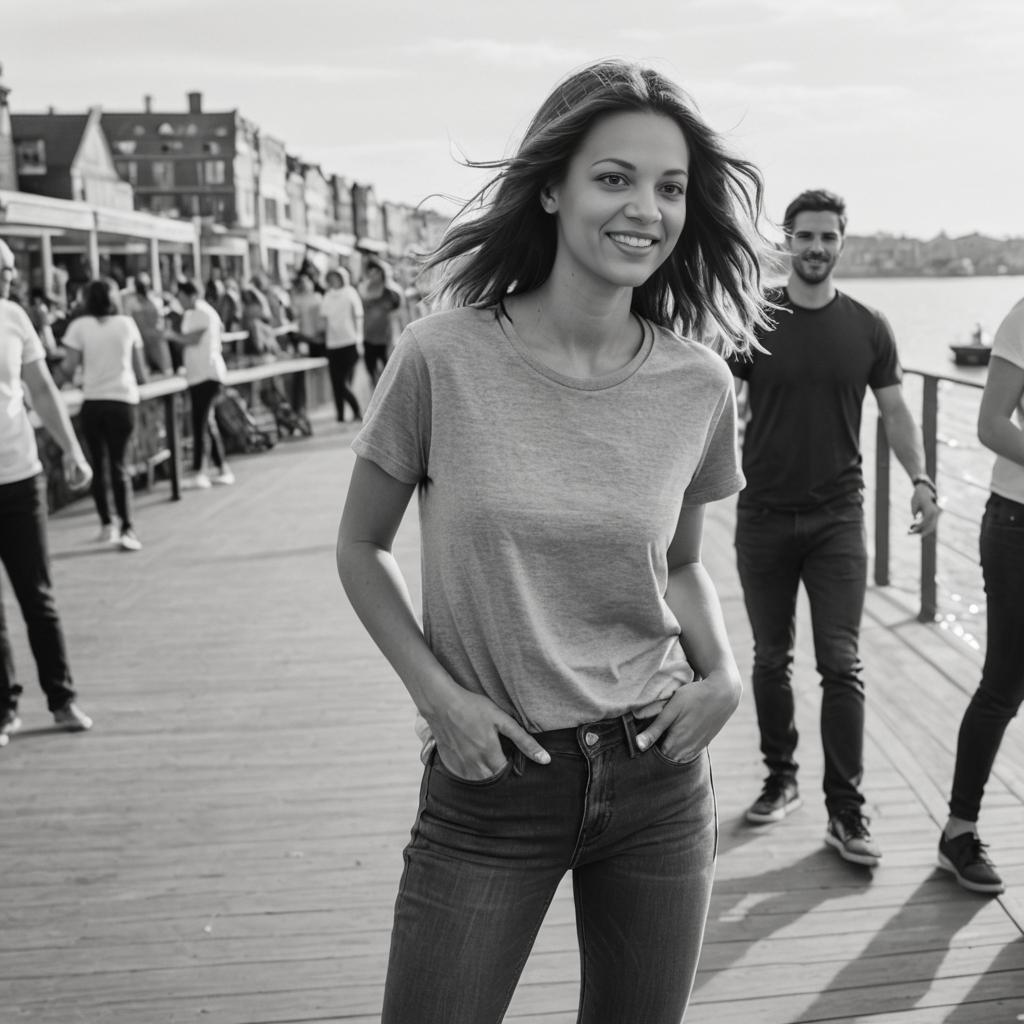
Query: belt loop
point(629, 728)
point(518, 762)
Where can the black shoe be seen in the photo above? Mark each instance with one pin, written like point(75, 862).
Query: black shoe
point(848, 833)
point(965, 856)
point(779, 797)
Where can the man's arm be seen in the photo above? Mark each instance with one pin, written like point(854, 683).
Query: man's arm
point(49, 407)
point(905, 440)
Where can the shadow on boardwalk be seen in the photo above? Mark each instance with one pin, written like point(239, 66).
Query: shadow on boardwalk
point(226, 844)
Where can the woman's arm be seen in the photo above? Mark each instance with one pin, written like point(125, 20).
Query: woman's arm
point(465, 725)
point(996, 429)
point(138, 366)
point(697, 711)
point(49, 407)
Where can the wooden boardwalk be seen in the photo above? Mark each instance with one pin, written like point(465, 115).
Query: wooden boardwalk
point(225, 845)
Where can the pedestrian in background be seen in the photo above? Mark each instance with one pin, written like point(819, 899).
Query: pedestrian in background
point(342, 312)
point(998, 698)
point(800, 517)
point(147, 310)
point(205, 372)
point(23, 549)
point(108, 346)
point(381, 301)
point(572, 666)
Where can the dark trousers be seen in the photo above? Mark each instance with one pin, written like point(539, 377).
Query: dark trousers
point(204, 424)
point(108, 426)
point(375, 357)
point(637, 831)
point(824, 548)
point(999, 695)
point(341, 364)
point(23, 553)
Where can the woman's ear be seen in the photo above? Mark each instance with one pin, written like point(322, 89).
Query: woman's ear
point(548, 201)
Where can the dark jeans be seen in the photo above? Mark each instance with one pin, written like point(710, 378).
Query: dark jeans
point(341, 364)
point(204, 424)
point(24, 555)
point(999, 695)
point(375, 357)
point(825, 548)
point(108, 426)
point(637, 831)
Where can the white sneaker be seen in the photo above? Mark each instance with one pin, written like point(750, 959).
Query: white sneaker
point(225, 477)
point(72, 718)
point(199, 482)
point(129, 542)
point(108, 534)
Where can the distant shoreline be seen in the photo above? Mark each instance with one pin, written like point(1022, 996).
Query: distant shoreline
point(860, 274)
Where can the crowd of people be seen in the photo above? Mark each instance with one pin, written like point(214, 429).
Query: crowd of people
point(565, 421)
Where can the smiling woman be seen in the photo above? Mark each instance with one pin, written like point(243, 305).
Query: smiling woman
point(572, 666)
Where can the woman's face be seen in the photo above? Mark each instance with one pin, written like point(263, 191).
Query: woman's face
point(622, 204)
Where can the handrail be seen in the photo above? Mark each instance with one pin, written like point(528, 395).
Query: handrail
point(929, 545)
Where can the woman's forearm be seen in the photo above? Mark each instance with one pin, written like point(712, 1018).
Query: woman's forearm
point(378, 593)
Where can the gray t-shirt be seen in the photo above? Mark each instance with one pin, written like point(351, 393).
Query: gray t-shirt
point(547, 505)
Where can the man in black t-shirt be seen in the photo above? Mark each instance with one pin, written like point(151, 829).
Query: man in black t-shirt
point(801, 519)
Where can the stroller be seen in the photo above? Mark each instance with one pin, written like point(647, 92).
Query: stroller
point(288, 420)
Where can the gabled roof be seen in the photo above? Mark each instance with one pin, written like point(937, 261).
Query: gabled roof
point(62, 137)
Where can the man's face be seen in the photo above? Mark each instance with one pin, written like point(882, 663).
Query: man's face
point(815, 245)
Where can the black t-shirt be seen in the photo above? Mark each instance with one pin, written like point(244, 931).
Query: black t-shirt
point(802, 442)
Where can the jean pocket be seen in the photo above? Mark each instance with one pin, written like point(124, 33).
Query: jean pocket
point(660, 754)
point(489, 780)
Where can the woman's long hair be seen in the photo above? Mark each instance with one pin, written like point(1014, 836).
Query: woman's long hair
point(502, 242)
point(99, 299)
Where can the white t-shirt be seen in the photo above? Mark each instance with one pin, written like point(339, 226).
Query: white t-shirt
point(106, 345)
point(342, 310)
point(1008, 344)
point(19, 346)
point(205, 360)
point(547, 505)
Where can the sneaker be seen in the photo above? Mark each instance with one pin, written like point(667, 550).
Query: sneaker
point(10, 723)
point(107, 534)
point(778, 798)
point(72, 718)
point(198, 482)
point(848, 833)
point(129, 542)
point(966, 858)
point(224, 477)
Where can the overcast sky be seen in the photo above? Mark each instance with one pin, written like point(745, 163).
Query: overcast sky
point(913, 109)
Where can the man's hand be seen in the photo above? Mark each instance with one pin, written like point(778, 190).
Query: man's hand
point(77, 471)
point(925, 507)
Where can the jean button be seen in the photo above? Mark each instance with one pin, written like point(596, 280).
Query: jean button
point(590, 738)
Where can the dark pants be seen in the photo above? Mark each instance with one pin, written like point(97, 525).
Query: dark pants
point(375, 357)
point(999, 695)
point(341, 364)
point(825, 548)
point(637, 831)
point(24, 555)
point(204, 424)
point(108, 426)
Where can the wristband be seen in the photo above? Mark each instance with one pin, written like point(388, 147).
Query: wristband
point(928, 482)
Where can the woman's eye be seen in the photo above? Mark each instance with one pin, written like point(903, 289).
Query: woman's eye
point(615, 180)
point(673, 188)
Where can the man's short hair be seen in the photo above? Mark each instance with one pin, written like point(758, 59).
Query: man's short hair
point(186, 286)
point(815, 200)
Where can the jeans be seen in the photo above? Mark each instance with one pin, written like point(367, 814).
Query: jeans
point(1001, 690)
point(204, 424)
point(23, 553)
point(341, 365)
point(639, 834)
point(108, 426)
point(826, 549)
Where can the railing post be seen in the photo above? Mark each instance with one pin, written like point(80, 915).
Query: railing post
point(929, 544)
point(881, 506)
point(171, 405)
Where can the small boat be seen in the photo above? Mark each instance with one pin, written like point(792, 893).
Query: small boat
point(977, 353)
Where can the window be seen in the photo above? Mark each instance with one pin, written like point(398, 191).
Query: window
point(165, 129)
point(139, 129)
point(30, 156)
point(211, 147)
point(212, 172)
point(270, 211)
point(125, 146)
point(163, 173)
point(129, 170)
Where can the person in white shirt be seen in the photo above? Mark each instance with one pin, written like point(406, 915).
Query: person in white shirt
point(205, 373)
point(108, 345)
point(23, 511)
point(342, 310)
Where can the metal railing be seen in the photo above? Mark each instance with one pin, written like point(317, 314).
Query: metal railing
point(930, 545)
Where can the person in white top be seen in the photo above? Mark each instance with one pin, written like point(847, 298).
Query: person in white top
point(23, 511)
point(205, 372)
point(1001, 690)
point(108, 346)
point(342, 310)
